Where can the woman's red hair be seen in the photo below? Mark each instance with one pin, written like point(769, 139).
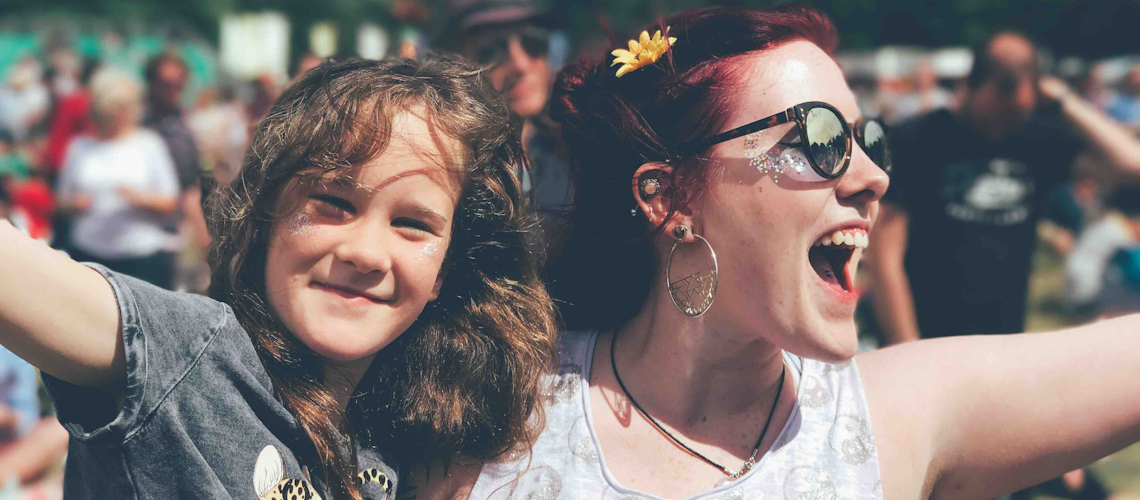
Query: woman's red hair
point(611, 126)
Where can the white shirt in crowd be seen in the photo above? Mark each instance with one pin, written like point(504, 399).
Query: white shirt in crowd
point(1086, 264)
point(111, 228)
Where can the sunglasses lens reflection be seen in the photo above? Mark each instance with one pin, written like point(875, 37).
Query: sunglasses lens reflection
point(876, 145)
point(827, 143)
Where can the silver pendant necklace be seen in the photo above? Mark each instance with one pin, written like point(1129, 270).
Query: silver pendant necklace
point(730, 475)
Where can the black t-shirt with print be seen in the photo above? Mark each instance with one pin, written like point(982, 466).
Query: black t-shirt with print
point(973, 208)
point(198, 416)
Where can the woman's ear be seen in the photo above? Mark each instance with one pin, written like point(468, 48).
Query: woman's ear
point(653, 191)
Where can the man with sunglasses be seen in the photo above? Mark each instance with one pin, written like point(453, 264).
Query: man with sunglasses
point(951, 252)
point(511, 39)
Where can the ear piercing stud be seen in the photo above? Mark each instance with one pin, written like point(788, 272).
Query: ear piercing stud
point(649, 187)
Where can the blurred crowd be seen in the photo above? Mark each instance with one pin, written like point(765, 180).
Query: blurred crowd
point(106, 165)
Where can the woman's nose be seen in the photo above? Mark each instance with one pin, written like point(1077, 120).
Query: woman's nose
point(864, 181)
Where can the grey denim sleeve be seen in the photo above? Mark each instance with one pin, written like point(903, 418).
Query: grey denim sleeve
point(164, 335)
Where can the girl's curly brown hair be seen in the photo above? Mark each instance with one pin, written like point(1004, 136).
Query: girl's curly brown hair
point(464, 379)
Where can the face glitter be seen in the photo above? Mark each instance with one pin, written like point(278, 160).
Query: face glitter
point(778, 160)
point(301, 224)
point(429, 251)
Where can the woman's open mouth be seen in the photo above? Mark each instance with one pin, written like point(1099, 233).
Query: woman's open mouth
point(833, 257)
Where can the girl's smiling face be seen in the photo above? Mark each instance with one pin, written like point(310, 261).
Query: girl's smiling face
point(353, 265)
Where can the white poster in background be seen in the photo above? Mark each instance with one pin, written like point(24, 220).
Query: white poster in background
point(254, 44)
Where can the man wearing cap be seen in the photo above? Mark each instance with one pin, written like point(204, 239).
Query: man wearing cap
point(512, 39)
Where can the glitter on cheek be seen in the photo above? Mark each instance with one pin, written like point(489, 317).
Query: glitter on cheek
point(793, 160)
point(430, 251)
point(301, 224)
point(766, 161)
point(778, 160)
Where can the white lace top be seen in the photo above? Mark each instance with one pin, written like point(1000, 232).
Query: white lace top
point(826, 450)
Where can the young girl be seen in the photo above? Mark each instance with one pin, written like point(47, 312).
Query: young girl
point(374, 300)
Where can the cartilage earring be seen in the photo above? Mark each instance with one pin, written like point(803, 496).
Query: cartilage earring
point(693, 295)
point(649, 187)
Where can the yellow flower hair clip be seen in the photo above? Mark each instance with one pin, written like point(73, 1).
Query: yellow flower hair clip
point(642, 52)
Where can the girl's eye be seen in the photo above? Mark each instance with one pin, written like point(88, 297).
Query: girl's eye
point(412, 224)
point(333, 203)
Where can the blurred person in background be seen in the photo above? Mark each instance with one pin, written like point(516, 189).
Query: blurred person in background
point(30, 205)
point(166, 77)
point(31, 445)
point(71, 118)
point(1101, 272)
point(412, 16)
point(1125, 107)
point(265, 92)
point(120, 186)
point(512, 39)
point(12, 160)
point(24, 99)
point(927, 96)
point(220, 129)
point(951, 252)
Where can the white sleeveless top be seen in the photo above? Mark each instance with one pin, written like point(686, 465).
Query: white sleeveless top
point(825, 451)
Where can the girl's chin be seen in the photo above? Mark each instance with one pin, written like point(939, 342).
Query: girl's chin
point(343, 351)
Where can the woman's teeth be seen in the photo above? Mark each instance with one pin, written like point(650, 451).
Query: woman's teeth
point(856, 238)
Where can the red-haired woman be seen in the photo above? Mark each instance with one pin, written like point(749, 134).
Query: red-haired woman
point(741, 137)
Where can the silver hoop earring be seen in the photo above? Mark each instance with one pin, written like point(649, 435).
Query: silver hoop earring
point(694, 294)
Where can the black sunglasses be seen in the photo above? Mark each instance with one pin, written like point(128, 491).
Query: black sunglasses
point(824, 135)
point(536, 43)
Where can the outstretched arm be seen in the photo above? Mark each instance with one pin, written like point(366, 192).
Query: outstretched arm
point(978, 417)
point(57, 314)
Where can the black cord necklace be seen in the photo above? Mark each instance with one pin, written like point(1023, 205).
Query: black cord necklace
point(732, 475)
